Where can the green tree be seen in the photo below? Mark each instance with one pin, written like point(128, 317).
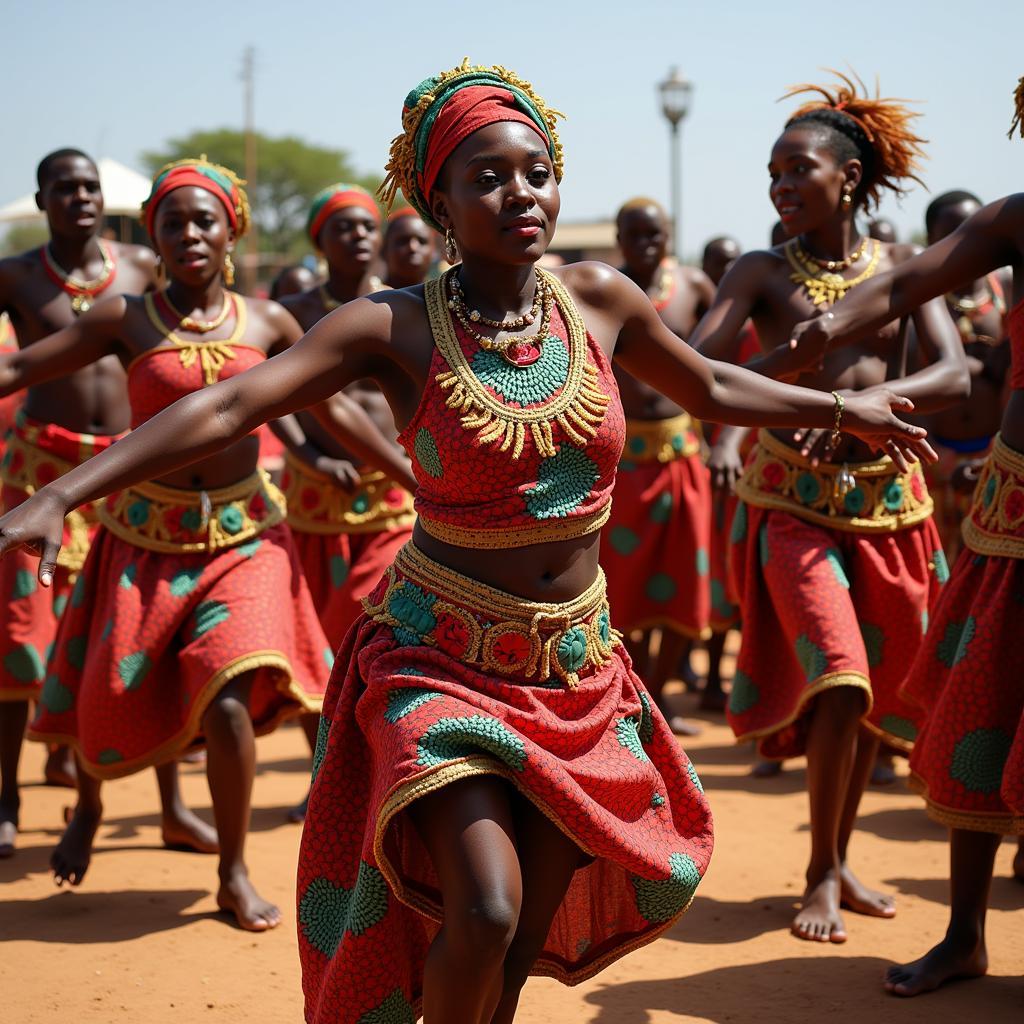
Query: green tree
point(289, 173)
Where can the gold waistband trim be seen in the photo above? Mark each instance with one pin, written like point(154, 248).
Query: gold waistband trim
point(178, 521)
point(517, 536)
point(880, 499)
point(428, 603)
point(995, 525)
point(316, 504)
point(661, 440)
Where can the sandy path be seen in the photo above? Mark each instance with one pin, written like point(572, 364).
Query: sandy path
point(141, 940)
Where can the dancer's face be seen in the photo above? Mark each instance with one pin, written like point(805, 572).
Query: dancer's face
point(350, 239)
point(409, 248)
point(950, 218)
point(192, 235)
point(643, 237)
point(71, 197)
point(807, 180)
point(497, 192)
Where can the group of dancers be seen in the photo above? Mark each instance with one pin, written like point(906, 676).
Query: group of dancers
point(495, 793)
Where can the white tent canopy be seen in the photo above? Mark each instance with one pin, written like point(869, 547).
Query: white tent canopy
point(123, 192)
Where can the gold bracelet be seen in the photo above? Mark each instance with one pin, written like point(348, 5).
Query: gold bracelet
point(837, 432)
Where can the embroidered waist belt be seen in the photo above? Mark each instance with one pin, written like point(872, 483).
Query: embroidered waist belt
point(532, 643)
point(874, 497)
point(316, 504)
point(514, 535)
point(995, 525)
point(38, 453)
point(661, 440)
point(173, 520)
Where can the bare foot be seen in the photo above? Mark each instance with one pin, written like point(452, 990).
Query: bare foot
point(1018, 861)
point(712, 700)
point(949, 960)
point(60, 768)
point(70, 860)
point(682, 727)
point(237, 896)
point(819, 919)
point(8, 837)
point(766, 769)
point(184, 830)
point(861, 900)
point(297, 813)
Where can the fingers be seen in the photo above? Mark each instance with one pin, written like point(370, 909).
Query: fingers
point(48, 562)
point(900, 402)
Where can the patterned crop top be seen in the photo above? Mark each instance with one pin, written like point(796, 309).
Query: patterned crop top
point(159, 377)
point(1016, 324)
point(512, 453)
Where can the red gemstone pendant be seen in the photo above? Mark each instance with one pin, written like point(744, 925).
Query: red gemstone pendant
point(522, 353)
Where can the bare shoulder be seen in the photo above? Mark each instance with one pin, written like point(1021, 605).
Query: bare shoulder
point(900, 252)
point(140, 256)
point(596, 284)
point(692, 276)
point(751, 268)
point(16, 268)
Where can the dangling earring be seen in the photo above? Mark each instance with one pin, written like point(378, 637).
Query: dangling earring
point(847, 199)
point(161, 273)
point(229, 270)
point(451, 253)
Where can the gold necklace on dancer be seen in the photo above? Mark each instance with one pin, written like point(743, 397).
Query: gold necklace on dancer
point(330, 303)
point(82, 293)
point(666, 285)
point(188, 323)
point(823, 284)
point(515, 349)
point(969, 308)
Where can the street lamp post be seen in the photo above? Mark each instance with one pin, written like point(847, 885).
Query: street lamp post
point(675, 93)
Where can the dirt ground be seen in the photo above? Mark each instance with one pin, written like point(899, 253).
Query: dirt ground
point(141, 939)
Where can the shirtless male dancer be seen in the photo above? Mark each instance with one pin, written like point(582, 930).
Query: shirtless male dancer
point(60, 424)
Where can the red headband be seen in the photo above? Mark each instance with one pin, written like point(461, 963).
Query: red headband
point(339, 201)
point(469, 110)
point(401, 211)
point(181, 177)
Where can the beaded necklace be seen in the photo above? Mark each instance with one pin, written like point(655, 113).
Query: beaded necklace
point(515, 349)
point(81, 292)
point(212, 355)
point(188, 323)
point(969, 308)
point(499, 400)
point(825, 285)
point(666, 286)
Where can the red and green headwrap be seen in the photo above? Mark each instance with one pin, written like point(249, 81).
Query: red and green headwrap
point(442, 111)
point(337, 197)
point(217, 180)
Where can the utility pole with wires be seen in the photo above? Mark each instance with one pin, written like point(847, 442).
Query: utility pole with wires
point(252, 249)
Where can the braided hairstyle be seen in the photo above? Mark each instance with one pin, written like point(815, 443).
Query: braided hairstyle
point(1018, 111)
point(873, 130)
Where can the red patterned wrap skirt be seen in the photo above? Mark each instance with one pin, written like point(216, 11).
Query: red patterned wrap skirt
point(952, 507)
point(35, 454)
point(837, 577)
point(969, 675)
point(182, 592)
point(345, 540)
point(445, 679)
point(655, 548)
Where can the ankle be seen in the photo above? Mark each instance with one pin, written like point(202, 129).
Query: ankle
point(967, 934)
point(233, 871)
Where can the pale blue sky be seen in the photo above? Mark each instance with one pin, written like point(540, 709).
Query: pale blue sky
point(116, 77)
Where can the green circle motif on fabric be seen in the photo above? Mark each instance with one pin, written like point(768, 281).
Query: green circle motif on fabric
point(979, 759)
point(661, 508)
point(627, 731)
point(940, 566)
point(208, 615)
point(604, 627)
point(55, 697)
point(661, 587)
point(138, 512)
point(328, 657)
point(126, 580)
point(109, 756)
point(694, 777)
point(678, 442)
point(184, 581)
point(623, 540)
point(657, 800)
point(874, 644)
point(646, 727)
point(808, 488)
point(24, 584)
point(738, 531)
point(405, 700)
point(78, 591)
point(812, 658)
point(411, 606)
point(563, 483)
point(133, 669)
point(527, 385)
point(744, 695)
point(360, 504)
point(59, 604)
point(232, 520)
point(955, 642)
point(25, 664)
point(892, 497)
point(339, 570)
point(659, 901)
point(720, 602)
point(424, 447)
point(323, 730)
point(989, 493)
point(451, 738)
point(703, 562)
point(327, 911)
point(572, 649)
point(75, 650)
point(394, 1010)
point(855, 500)
point(897, 725)
point(637, 446)
point(835, 561)
point(191, 519)
point(764, 548)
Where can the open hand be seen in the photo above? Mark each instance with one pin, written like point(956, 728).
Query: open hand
point(345, 475)
point(871, 416)
point(725, 466)
point(38, 525)
point(808, 342)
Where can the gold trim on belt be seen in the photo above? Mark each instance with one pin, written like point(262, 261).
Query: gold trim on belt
point(661, 440)
point(995, 525)
point(876, 498)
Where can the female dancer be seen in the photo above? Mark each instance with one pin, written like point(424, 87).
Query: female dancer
point(835, 558)
point(486, 747)
point(409, 248)
point(969, 756)
point(190, 624)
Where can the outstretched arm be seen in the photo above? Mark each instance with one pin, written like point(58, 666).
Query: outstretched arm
point(93, 335)
point(345, 346)
point(988, 240)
